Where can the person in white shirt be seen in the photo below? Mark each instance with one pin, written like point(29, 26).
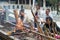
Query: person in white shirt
point(47, 14)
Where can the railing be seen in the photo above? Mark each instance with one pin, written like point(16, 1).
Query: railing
point(15, 6)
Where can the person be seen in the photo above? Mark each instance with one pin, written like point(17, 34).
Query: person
point(19, 23)
point(37, 15)
point(37, 10)
point(37, 20)
point(50, 26)
point(24, 17)
point(47, 14)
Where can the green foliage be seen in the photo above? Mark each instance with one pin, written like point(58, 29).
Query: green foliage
point(53, 2)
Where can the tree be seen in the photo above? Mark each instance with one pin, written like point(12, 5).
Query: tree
point(53, 2)
point(40, 2)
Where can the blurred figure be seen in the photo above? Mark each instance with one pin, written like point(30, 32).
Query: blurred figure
point(37, 15)
point(48, 14)
point(24, 17)
point(50, 26)
point(2, 17)
point(37, 11)
point(22, 14)
point(19, 23)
